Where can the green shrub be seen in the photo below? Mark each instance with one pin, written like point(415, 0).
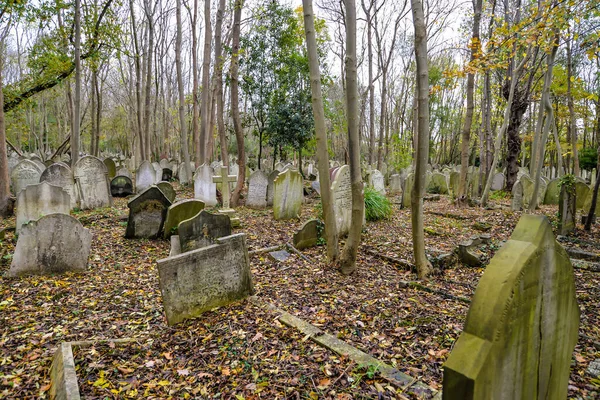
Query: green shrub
point(377, 206)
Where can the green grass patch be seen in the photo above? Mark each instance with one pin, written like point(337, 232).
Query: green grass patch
point(377, 206)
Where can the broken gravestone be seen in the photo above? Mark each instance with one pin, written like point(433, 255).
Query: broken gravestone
point(35, 201)
point(468, 251)
point(522, 325)
point(309, 234)
point(179, 212)
point(147, 212)
point(168, 190)
point(197, 281)
point(54, 244)
point(203, 230)
point(279, 255)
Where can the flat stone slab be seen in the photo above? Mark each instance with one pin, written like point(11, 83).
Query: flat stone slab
point(594, 368)
point(280, 255)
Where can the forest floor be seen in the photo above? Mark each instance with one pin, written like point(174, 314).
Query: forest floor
point(240, 351)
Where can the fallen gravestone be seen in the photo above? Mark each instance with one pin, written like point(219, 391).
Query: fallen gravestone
point(309, 234)
point(522, 325)
point(35, 201)
point(168, 190)
point(59, 174)
point(203, 230)
point(179, 212)
point(147, 212)
point(54, 244)
point(121, 186)
point(199, 280)
point(92, 183)
point(279, 255)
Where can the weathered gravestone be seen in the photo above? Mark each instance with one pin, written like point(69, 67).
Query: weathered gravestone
point(197, 281)
point(60, 175)
point(522, 325)
point(157, 172)
point(35, 201)
point(224, 180)
point(147, 212)
point(124, 172)
point(144, 176)
point(184, 179)
point(454, 183)
point(168, 190)
point(517, 197)
point(498, 181)
point(552, 192)
point(164, 163)
point(203, 230)
point(288, 195)
point(309, 234)
point(582, 190)
point(395, 184)
point(341, 190)
point(271, 187)
point(111, 167)
point(528, 186)
point(316, 186)
point(204, 188)
point(376, 181)
point(26, 172)
point(54, 244)
point(92, 183)
point(438, 184)
point(121, 186)
point(567, 210)
point(179, 212)
point(409, 183)
point(257, 190)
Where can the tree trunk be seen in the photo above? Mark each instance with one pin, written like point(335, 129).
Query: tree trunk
point(4, 176)
point(369, 18)
point(93, 98)
point(320, 133)
point(147, 110)
point(348, 256)
point(205, 108)
point(77, 103)
point(235, 110)
point(218, 76)
point(592, 212)
point(181, 108)
point(195, 88)
point(571, 127)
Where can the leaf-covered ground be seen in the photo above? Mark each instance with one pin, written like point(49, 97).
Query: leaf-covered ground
point(242, 352)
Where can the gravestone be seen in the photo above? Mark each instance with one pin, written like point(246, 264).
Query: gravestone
point(183, 178)
point(54, 244)
point(224, 180)
point(144, 176)
point(197, 281)
point(517, 197)
point(38, 161)
point(164, 163)
point(341, 190)
point(409, 183)
point(316, 186)
point(58, 174)
point(234, 169)
point(26, 172)
point(522, 324)
point(582, 190)
point(279, 166)
point(168, 190)
point(111, 167)
point(257, 190)
point(454, 183)
point(438, 183)
point(308, 235)
point(203, 230)
point(35, 201)
point(124, 172)
point(588, 204)
point(147, 212)
point(179, 212)
point(271, 187)
point(395, 184)
point(376, 181)
point(157, 172)
point(121, 186)
point(498, 181)
point(92, 183)
point(288, 195)
point(567, 211)
point(593, 176)
point(204, 188)
point(552, 192)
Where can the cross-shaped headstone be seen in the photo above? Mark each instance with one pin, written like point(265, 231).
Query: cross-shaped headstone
point(224, 180)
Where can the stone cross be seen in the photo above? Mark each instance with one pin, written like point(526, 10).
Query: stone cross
point(224, 180)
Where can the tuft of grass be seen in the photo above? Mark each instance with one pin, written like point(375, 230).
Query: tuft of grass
point(377, 206)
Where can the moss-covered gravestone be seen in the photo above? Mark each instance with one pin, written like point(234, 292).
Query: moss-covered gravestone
point(309, 234)
point(147, 212)
point(180, 211)
point(522, 325)
point(168, 190)
point(203, 230)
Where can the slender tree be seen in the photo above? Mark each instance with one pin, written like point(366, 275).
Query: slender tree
point(205, 105)
point(75, 135)
point(235, 111)
point(180, 87)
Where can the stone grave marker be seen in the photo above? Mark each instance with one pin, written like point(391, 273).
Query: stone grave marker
point(197, 281)
point(308, 235)
point(582, 190)
point(517, 197)
point(183, 178)
point(316, 186)
point(35, 201)
point(454, 183)
point(271, 187)
point(567, 209)
point(438, 184)
point(279, 166)
point(54, 244)
point(203, 230)
point(204, 188)
point(279, 255)
point(179, 212)
point(522, 324)
point(498, 181)
point(13, 160)
point(288, 195)
point(552, 192)
point(111, 167)
point(157, 171)
point(408, 188)
point(58, 174)
point(38, 161)
point(124, 172)
point(164, 163)
point(26, 172)
point(168, 190)
point(341, 190)
point(395, 184)
point(224, 180)
point(92, 183)
point(376, 181)
point(257, 190)
point(121, 186)
point(147, 212)
point(144, 176)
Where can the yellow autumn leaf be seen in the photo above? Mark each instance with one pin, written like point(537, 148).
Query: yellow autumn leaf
point(164, 383)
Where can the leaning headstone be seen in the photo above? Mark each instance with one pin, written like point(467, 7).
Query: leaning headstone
point(271, 186)
point(147, 212)
point(58, 174)
point(288, 195)
point(179, 212)
point(197, 281)
point(35, 201)
point(517, 197)
point(111, 167)
point(522, 325)
point(498, 181)
point(376, 181)
point(567, 209)
point(92, 183)
point(395, 184)
point(204, 188)
point(168, 190)
point(341, 190)
point(203, 230)
point(552, 192)
point(53, 244)
point(257, 190)
point(25, 173)
point(121, 186)
point(308, 235)
point(145, 176)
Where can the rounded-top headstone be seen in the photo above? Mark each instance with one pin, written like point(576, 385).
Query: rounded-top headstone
point(60, 174)
point(179, 212)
